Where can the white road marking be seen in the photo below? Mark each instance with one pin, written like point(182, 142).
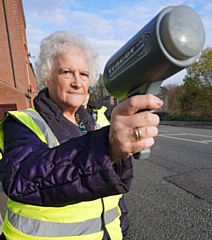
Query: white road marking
point(208, 141)
point(186, 134)
point(162, 131)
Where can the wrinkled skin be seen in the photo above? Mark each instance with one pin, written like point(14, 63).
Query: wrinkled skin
point(125, 118)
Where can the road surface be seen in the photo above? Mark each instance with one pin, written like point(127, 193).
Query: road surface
point(171, 195)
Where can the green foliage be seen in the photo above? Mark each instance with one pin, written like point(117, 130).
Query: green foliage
point(194, 98)
point(186, 117)
point(175, 93)
point(98, 92)
point(197, 97)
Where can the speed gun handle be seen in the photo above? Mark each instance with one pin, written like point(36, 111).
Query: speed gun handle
point(150, 88)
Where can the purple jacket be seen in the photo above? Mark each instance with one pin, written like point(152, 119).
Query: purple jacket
point(77, 170)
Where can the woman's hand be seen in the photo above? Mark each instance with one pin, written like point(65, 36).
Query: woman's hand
point(130, 130)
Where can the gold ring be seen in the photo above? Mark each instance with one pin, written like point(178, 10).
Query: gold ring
point(138, 134)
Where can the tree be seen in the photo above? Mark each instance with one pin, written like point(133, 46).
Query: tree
point(175, 92)
point(197, 97)
point(98, 92)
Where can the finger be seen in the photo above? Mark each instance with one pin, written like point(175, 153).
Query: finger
point(136, 103)
point(141, 119)
point(142, 145)
point(145, 132)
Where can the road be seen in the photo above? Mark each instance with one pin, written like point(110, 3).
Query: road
point(171, 195)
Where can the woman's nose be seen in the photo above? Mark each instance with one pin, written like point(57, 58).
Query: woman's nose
point(76, 81)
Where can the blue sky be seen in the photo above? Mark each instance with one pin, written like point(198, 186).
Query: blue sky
point(108, 24)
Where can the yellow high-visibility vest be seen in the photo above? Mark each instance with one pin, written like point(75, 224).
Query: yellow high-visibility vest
point(101, 120)
point(81, 221)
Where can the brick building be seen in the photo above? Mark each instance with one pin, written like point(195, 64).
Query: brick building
point(17, 79)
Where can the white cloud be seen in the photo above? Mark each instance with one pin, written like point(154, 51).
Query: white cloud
point(90, 24)
point(107, 28)
point(105, 48)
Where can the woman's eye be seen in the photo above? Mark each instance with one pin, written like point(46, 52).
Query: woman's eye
point(85, 75)
point(65, 71)
point(68, 73)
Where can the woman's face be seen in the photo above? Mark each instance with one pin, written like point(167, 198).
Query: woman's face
point(69, 81)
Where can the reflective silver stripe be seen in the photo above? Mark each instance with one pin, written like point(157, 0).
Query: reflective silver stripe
point(45, 129)
point(111, 215)
point(41, 228)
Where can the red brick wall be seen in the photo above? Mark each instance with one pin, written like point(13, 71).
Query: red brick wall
point(17, 80)
point(6, 74)
point(11, 95)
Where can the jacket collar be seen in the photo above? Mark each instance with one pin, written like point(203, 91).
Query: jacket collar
point(61, 126)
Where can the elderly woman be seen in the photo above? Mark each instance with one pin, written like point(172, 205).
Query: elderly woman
point(64, 180)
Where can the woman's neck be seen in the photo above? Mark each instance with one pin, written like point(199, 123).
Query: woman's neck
point(70, 116)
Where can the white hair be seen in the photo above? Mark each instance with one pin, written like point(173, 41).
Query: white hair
point(58, 43)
